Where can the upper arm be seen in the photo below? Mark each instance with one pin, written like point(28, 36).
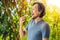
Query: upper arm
point(45, 32)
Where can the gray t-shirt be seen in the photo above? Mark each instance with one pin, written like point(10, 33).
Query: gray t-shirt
point(37, 31)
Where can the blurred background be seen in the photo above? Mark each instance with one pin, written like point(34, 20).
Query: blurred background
point(12, 10)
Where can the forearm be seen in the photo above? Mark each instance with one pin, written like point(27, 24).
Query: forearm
point(45, 38)
point(21, 21)
point(21, 32)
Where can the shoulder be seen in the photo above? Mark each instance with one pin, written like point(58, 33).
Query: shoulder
point(45, 25)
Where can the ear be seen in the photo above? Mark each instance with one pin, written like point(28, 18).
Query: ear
point(40, 11)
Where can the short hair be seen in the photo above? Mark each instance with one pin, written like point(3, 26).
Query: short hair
point(41, 7)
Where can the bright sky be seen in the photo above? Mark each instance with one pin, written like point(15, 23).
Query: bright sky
point(53, 2)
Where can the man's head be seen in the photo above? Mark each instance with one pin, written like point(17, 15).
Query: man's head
point(38, 10)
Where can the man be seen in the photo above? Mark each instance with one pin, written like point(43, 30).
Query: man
point(37, 28)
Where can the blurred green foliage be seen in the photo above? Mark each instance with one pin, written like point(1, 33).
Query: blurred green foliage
point(12, 10)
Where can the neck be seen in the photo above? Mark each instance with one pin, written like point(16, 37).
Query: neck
point(38, 19)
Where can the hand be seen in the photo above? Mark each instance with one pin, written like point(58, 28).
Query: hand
point(22, 20)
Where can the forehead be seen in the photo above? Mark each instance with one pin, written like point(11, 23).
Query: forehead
point(35, 6)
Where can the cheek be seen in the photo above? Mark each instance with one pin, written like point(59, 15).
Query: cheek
point(35, 11)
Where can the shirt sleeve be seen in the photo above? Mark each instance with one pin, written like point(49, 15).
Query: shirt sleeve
point(45, 31)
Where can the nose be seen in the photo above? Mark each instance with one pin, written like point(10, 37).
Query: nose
point(33, 11)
